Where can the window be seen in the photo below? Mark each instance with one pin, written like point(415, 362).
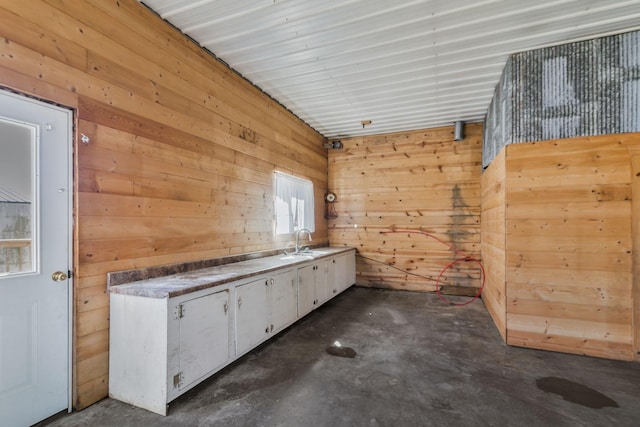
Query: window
point(294, 204)
point(18, 197)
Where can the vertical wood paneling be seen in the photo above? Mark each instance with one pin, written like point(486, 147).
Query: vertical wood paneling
point(413, 180)
point(494, 241)
point(569, 245)
point(635, 230)
point(181, 151)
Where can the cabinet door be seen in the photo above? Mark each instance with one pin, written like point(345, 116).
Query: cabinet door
point(345, 266)
point(341, 273)
point(332, 278)
point(251, 315)
point(204, 336)
point(322, 284)
point(306, 289)
point(350, 269)
point(283, 298)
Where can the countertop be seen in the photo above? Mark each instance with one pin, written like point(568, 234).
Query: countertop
point(184, 283)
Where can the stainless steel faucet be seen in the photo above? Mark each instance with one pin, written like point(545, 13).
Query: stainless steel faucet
point(298, 238)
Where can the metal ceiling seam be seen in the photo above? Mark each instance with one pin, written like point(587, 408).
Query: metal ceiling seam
point(458, 24)
point(270, 25)
point(359, 76)
point(418, 106)
point(499, 37)
point(347, 23)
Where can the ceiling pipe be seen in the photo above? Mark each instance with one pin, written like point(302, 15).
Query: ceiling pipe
point(458, 130)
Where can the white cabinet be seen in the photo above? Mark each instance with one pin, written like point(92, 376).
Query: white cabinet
point(312, 286)
point(251, 315)
point(264, 307)
point(202, 326)
point(162, 347)
point(283, 300)
point(344, 272)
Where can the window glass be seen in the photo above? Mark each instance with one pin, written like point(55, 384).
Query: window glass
point(294, 204)
point(17, 201)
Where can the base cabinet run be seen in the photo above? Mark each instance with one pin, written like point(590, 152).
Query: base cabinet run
point(162, 347)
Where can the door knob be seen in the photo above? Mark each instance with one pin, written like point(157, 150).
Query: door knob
point(59, 276)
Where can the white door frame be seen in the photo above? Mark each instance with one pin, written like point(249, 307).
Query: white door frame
point(70, 121)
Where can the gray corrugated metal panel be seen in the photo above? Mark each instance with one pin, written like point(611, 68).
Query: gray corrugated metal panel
point(630, 88)
point(578, 89)
point(499, 121)
point(334, 59)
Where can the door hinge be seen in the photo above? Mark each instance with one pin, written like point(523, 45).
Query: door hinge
point(178, 379)
point(180, 311)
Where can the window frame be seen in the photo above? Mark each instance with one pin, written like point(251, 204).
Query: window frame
point(298, 191)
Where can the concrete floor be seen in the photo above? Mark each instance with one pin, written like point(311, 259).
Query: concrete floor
point(418, 362)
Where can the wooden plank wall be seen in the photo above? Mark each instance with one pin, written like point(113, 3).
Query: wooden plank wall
point(634, 152)
point(493, 246)
point(569, 245)
point(180, 155)
point(415, 180)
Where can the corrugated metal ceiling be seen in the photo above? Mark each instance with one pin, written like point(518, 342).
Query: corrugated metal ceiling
point(401, 64)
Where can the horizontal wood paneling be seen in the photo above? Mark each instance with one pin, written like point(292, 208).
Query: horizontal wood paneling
point(414, 180)
point(493, 245)
point(181, 153)
point(569, 245)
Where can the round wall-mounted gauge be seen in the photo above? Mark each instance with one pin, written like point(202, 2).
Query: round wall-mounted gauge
point(330, 197)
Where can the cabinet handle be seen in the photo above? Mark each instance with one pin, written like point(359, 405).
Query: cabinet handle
point(226, 307)
point(271, 282)
point(266, 331)
point(239, 302)
point(334, 291)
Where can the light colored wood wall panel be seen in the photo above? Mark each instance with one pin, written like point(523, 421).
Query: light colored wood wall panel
point(634, 153)
point(414, 180)
point(181, 153)
point(569, 242)
point(493, 245)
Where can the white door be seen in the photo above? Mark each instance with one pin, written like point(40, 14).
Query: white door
point(35, 161)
